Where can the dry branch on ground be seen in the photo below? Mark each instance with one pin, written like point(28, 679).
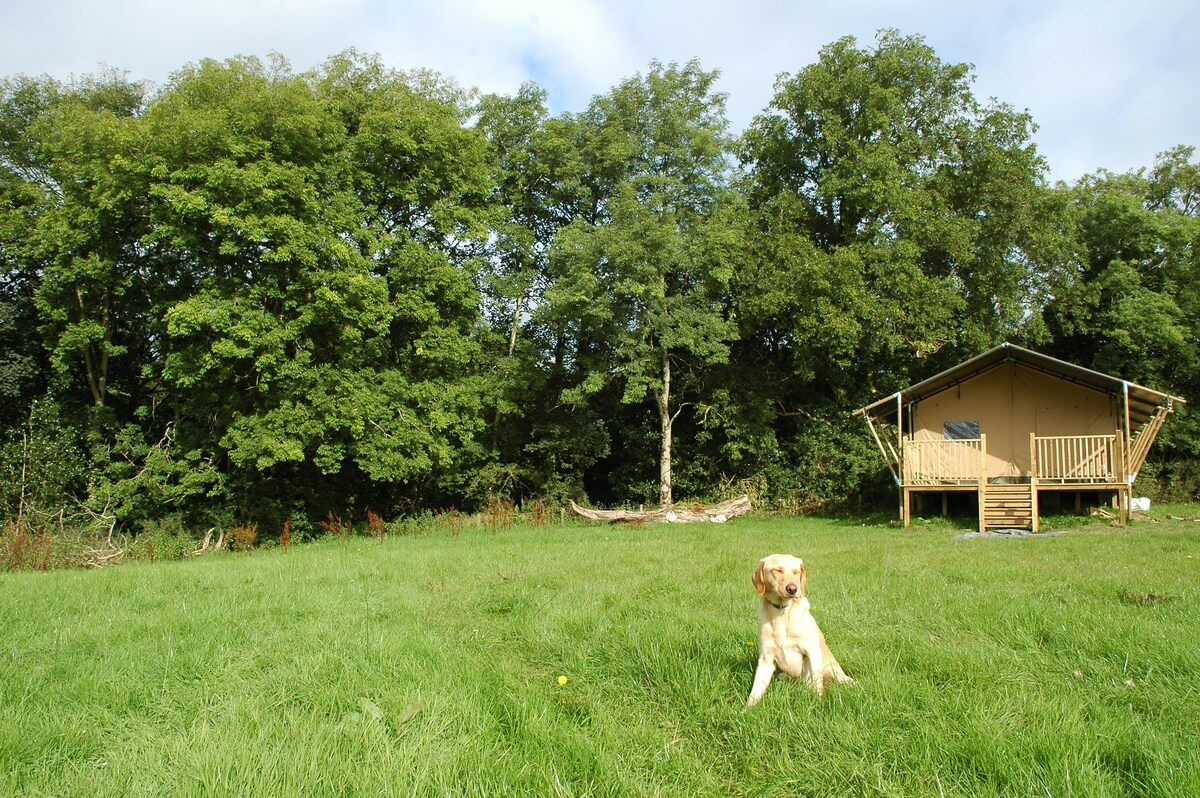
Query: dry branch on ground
point(672, 513)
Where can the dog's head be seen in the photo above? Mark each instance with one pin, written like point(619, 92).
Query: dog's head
point(780, 577)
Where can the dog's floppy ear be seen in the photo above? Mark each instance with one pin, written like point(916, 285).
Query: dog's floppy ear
point(760, 577)
point(803, 577)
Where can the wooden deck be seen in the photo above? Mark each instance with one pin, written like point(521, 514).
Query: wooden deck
point(1057, 463)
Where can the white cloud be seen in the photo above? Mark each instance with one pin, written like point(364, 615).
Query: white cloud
point(1109, 83)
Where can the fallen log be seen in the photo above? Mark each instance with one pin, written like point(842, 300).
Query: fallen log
point(717, 514)
point(99, 558)
point(205, 547)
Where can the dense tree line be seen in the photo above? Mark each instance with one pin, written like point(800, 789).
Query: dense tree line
point(257, 294)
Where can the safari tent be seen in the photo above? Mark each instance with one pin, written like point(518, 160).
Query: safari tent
point(1014, 427)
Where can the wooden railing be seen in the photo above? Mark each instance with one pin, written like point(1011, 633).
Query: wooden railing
point(1069, 459)
point(1054, 460)
point(938, 462)
point(1139, 445)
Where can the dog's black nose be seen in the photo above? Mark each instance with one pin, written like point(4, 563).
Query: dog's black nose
point(791, 589)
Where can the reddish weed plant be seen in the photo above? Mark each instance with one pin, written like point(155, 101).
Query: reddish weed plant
point(499, 513)
point(23, 548)
point(243, 537)
point(376, 527)
point(334, 525)
point(452, 521)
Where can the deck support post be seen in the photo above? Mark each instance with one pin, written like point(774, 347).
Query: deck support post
point(1033, 483)
point(1122, 475)
point(982, 483)
point(905, 516)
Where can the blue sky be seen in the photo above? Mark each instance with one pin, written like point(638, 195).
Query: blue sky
point(1110, 84)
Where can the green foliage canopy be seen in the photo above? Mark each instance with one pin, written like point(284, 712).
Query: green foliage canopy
point(256, 293)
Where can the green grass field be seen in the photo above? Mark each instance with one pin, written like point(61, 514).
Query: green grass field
point(1060, 666)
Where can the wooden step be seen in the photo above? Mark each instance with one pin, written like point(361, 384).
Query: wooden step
point(1007, 505)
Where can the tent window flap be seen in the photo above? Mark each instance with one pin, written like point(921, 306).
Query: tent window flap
point(961, 430)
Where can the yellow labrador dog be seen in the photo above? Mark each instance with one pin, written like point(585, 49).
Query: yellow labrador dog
point(788, 635)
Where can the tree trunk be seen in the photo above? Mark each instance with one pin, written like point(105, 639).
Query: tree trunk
point(97, 371)
point(512, 347)
point(516, 324)
point(665, 422)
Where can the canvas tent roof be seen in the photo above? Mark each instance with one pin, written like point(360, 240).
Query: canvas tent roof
point(1142, 401)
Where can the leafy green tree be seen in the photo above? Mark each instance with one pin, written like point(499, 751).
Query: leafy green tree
point(23, 363)
point(532, 179)
point(900, 200)
point(42, 467)
point(898, 224)
point(421, 180)
point(1128, 306)
point(637, 281)
point(241, 229)
point(1125, 307)
point(74, 222)
point(77, 284)
point(319, 222)
point(541, 185)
